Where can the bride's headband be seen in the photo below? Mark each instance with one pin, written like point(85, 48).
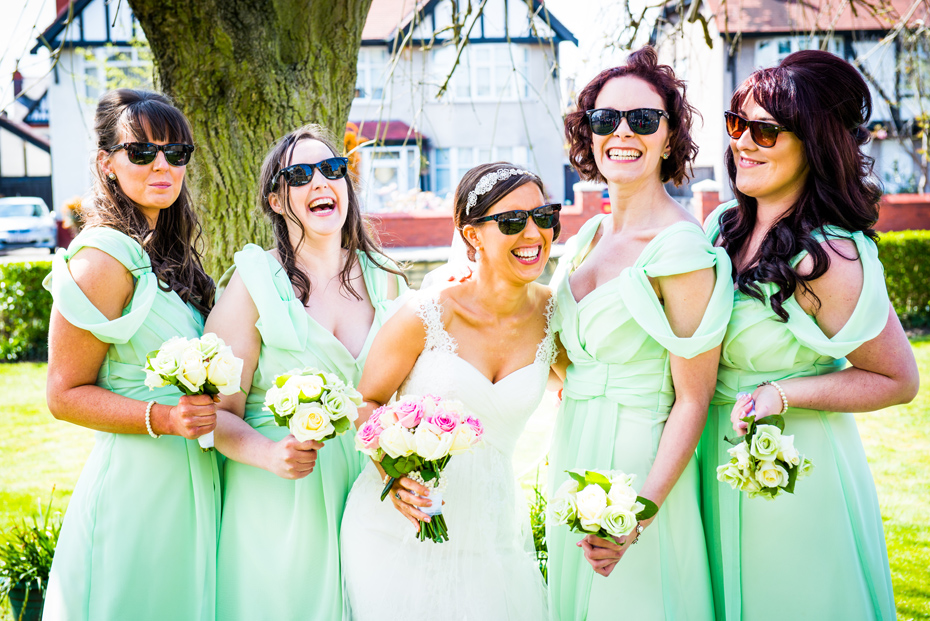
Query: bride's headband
point(487, 182)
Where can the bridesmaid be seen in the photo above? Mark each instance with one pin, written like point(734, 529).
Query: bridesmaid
point(139, 536)
point(643, 300)
point(810, 296)
point(316, 300)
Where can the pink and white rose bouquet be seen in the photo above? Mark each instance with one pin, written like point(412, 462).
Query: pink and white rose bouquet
point(416, 436)
point(313, 404)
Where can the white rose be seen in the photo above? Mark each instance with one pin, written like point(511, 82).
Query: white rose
point(765, 442)
point(166, 362)
point(741, 453)
point(591, 503)
point(396, 441)
point(787, 451)
point(175, 345)
point(568, 488)
point(310, 386)
point(731, 474)
point(335, 404)
point(354, 396)
point(153, 380)
point(805, 468)
point(282, 401)
point(310, 422)
point(563, 509)
point(192, 372)
point(770, 474)
point(225, 371)
point(210, 344)
point(463, 440)
point(332, 381)
point(456, 407)
point(751, 486)
point(617, 522)
point(430, 445)
point(621, 494)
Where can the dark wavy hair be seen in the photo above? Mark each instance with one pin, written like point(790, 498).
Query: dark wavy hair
point(825, 102)
point(642, 64)
point(356, 233)
point(490, 198)
point(174, 245)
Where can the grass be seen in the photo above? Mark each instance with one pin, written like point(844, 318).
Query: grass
point(39, 453)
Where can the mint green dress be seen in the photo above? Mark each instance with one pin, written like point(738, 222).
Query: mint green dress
point(616, 399)
point(279, 540)
point(139, 537)
point(819, 553)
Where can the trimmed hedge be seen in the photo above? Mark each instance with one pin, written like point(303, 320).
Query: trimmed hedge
point(25, 307)
point(906, 257)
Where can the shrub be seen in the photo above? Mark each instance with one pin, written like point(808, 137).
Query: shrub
point(24, 311)
point(27, 550)
point(906, 257)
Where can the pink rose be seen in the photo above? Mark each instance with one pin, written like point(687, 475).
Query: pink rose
point(375, 417)
point(475, 424)
point(368, 434)
point(409, 413)
point(445, 421)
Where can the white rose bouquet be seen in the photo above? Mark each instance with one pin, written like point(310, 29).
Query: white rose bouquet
point(313, 404)
point(600, 503)
point(416, 436)
point(764, 462)
point(202, 366)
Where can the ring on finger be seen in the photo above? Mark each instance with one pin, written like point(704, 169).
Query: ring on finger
point(397, 495)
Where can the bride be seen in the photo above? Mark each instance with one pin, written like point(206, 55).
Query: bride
point(487, 343)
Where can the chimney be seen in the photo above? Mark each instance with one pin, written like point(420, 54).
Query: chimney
point(17, 83)
point(61, 4)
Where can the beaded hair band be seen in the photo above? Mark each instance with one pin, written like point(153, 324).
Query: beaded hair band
point(487, 182)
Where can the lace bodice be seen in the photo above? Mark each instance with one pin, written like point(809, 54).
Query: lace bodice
point(503, 407)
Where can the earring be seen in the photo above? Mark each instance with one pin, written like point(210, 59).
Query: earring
point(665, 156)
point(112, 176)
point(477, 255)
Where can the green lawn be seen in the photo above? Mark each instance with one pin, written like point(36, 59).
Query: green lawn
point(38, 453)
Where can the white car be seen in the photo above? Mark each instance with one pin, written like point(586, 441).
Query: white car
point(26, 222)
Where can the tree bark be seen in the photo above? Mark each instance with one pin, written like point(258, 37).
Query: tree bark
point(246, 72)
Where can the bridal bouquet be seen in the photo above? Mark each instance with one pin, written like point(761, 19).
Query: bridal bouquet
point(764, 462)
point(416, 437)
point(600, 503)
point(313, 404)
point(202, 366)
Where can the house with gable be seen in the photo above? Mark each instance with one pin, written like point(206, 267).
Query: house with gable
point(25, 163)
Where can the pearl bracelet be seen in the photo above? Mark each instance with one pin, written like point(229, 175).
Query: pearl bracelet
point(784, 398)
point(148, 420)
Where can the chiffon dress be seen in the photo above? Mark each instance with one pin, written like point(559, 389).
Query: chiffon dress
point(139, 536)
point(617, 396)
point(487, 570)
point(819, 553)
point(279, 539)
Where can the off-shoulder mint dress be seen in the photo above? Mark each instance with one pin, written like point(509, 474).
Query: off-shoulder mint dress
point(819, 553)
point(617, 396)
point(139, 536)
point(279, 540)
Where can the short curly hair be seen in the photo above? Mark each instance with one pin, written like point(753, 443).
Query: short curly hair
point(642, 64)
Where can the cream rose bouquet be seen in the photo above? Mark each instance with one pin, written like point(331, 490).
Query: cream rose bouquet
point(416, 437)
point(313, 404)
point(202, 366)
point(764, 462)
point(602, 503)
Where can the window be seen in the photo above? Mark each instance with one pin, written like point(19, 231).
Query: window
point(388, 172)
point(373, 64)
point(109, 67)
point(770, 52)
point(485, 71)
point(450, 164)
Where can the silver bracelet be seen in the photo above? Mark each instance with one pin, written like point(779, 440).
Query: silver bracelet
point(784, 398)
point(148, 420)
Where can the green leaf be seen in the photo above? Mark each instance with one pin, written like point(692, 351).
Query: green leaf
point(281, 379)
point(579, 478)
point(387, 487)
point(390, 466)
point(342, 425)
point(734, 441)
point(776, 420)
point(280, 420)
point(428, 474)
point(593, 477)
point(649, 509)
point(792, 479)
point(408, 464)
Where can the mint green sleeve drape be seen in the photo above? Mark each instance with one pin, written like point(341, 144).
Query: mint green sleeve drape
point(279, 540)
point(617, 396)
point(821, 549)
point(139, 536)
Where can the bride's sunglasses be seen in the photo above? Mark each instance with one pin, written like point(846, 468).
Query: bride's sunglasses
point(513, 222)
point(763, 133)
point(642, 121)
point(142, 153)
point(300, 174)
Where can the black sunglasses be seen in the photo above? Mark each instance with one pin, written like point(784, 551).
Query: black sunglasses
point(642, 121)
point(512, 222)
point(300, 174)
point(142, 153)
point(763, 133)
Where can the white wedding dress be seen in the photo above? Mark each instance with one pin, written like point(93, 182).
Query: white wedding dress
point(487, 571)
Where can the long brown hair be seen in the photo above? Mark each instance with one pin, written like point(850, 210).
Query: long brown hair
point(356, 233)
point(173, 245)
point(824, 101)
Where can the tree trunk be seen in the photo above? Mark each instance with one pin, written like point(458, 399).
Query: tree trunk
point(246, 72)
